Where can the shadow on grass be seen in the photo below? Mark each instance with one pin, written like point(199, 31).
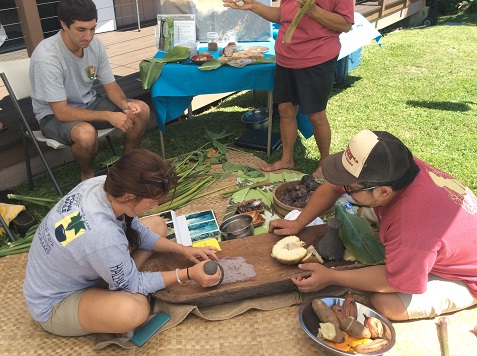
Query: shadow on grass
point(441, 105)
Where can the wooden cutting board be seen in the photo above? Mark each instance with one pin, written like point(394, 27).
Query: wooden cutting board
point(271, 276)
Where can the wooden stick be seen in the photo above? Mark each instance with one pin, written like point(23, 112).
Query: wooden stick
point(442, 323)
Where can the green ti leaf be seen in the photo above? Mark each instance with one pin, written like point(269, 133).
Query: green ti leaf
point(358, 237)
point(211, 65)
point(151, 69)
point(216, 135)
point(222, 148)
point(269, 59)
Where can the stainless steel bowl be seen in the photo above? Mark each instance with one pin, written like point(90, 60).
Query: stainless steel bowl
point(310, 323)
point(257, 118)
point(237, 226)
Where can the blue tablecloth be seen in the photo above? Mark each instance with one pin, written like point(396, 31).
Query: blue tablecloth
point(178, 83)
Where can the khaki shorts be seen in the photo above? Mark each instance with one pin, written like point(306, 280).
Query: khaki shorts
point(64, 319)
point(442, 296)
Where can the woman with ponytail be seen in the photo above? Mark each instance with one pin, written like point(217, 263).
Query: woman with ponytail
point(93, 237)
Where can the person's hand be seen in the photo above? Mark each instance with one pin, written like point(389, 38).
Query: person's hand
point(121, 121)
point(316, 281)
point(197, 274)
point(284, 227)
point(131, 109)
point(197, 254)
point(238, 4)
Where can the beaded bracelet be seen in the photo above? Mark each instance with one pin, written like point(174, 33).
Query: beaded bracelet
point(177, 276)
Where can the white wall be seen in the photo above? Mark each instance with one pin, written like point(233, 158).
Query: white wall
point(106, 16)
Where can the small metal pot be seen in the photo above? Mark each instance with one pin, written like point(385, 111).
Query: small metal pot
point(236, 226)
point(257, 118)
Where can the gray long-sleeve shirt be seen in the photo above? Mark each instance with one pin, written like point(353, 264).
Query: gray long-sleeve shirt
point(77, 244)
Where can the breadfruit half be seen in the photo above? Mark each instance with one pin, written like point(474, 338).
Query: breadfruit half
point(289, 250)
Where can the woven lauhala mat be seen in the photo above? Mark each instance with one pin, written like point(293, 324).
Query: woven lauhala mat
point(274, 332)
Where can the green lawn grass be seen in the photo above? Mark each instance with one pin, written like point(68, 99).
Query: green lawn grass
point(420, 85)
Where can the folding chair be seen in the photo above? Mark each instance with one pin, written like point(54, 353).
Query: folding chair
point(15, 75)
point(6, 229)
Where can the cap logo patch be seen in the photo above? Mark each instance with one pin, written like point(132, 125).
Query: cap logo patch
point(350, 158)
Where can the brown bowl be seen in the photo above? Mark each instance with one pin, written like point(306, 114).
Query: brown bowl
point(280, 208)
point(283, 209)
point(200, 59)
point(257, 218)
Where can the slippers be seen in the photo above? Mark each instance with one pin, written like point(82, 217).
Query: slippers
point(24, 220)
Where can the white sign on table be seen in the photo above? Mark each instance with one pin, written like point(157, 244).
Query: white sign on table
point(184, 27)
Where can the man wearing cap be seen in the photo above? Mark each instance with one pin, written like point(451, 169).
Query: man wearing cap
point(428, 226)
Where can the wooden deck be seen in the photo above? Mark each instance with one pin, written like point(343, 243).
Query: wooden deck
point(127, 48)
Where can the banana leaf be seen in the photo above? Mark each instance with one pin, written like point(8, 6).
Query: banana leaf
point(358, 237)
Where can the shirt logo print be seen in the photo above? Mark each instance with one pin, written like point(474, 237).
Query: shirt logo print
point(90, 72)
point(69, 228)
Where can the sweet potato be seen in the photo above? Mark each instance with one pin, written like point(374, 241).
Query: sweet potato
point(374, 325)
point(350, 308)
point(354, 328)
point(330, 331)
point(386, 332)
point(324, 313)
point(372, 346)
point(338, 310)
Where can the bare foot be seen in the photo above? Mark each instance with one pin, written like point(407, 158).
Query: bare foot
point(318, 173)
point(276, 166)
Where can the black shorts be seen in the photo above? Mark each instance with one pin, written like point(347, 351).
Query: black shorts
point(308, 87)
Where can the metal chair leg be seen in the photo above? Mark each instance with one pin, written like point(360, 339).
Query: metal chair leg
point(113, 147)
point(27, 161)
point(7, 229)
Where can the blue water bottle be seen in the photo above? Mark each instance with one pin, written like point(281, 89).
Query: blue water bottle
point(346, 204)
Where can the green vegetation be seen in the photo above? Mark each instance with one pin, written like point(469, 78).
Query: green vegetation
point(419, 85)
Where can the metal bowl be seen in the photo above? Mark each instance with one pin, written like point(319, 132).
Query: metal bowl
point(257, 118)
point(236, 226)
point(310, 323)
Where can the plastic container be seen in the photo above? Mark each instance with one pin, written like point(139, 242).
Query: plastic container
point(346, 204)
point(191, 46)
point(232, 36)
point(212, 41)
